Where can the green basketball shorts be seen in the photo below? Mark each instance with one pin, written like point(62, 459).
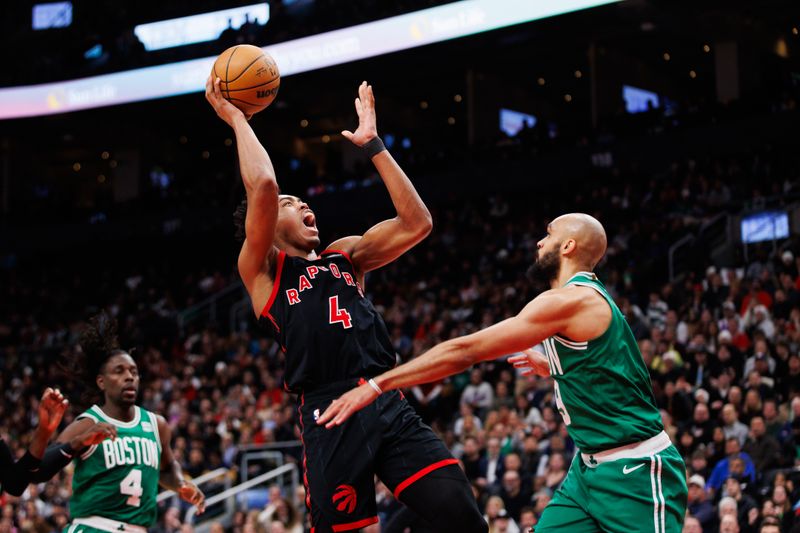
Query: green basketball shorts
point(97, 524)
point(634, 488)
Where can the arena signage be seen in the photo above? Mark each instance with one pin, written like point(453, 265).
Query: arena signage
point(449, 21)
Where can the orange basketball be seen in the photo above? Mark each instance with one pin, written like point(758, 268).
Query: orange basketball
point(249, 77)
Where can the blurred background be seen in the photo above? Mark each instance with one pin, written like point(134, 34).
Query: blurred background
point(674, 123)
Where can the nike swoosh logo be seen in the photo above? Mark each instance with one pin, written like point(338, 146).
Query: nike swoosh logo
point(626, 470)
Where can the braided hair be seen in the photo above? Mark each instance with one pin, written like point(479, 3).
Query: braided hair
point(97, 344)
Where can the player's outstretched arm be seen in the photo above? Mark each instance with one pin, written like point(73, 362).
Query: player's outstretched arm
point(73, 441)
point(171, 477)
point(260, 185)
point(387, 240)
point(15, 475)
point(546, 315)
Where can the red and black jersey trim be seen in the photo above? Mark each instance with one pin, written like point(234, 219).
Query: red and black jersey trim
point(276, 285)
point(345, 254)
point(305, 459)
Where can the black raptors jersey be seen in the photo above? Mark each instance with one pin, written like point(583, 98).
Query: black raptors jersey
point(329, 331)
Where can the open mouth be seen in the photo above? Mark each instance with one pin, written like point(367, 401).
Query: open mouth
point(309, 220)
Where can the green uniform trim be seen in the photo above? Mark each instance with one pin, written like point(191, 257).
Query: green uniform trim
point(602, 386)
point(604, 395)
point(645, 494)
point(118, 479)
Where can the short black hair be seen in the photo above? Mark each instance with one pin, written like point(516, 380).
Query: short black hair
point(239, 216)
point(97, 344)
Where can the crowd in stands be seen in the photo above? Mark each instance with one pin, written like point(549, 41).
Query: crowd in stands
point(722, 344)
point(722, 348)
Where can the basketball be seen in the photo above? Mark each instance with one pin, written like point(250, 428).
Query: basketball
point(249, 77)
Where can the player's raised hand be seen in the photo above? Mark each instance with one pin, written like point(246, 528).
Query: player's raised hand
point(367, 121)
point(225, 110)
point(51, 410)
point(531, 362)
point(189, 492)
point(347, 405)
point(94, 434)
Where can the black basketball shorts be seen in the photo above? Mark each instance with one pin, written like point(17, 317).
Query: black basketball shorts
point(386, 438)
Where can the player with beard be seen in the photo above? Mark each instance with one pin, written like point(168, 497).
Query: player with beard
point(628, 476)
point(314, 306)
point(116, 477)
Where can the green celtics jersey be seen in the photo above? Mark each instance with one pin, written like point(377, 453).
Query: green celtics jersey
point(602, 386)
point(118, 479)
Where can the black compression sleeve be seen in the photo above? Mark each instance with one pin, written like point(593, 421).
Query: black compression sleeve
point(16, 475)
point(55, 458)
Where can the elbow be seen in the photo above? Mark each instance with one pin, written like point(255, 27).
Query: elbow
point(427, 224)
point(261, 182)
point(423, 225)
point(265, 183)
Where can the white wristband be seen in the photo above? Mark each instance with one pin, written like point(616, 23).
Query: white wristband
point(375, 386)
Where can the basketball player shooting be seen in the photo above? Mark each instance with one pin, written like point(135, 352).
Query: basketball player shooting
point(314, 306)
point(628, 476)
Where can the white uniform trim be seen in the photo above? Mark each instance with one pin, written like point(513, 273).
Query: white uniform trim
point(590, 275)
point(655, 495)
point(112, 526)
point(571, 344)
point(661, 495)
point(591, 286)
point(659, 505)
point(119, 423)
point(552, 356)
point(154, 421)
point(637, 450)
point(90, 450)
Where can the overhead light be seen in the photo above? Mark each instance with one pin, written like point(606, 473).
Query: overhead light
point(692, 74)
point(457, 98)
point(451, 120)
point(540, 81)
point(101, 178)
point(567, 97)
point(326, 138)
point(303, 123)
point(112, 164)
point(706, 48)
point(666, 56)
point(423, 104)
point(105, 155)
point(578, 74)
point(76, 167)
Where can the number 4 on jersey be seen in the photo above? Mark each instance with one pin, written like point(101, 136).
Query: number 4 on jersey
point(131, 486)
point(339, 315)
